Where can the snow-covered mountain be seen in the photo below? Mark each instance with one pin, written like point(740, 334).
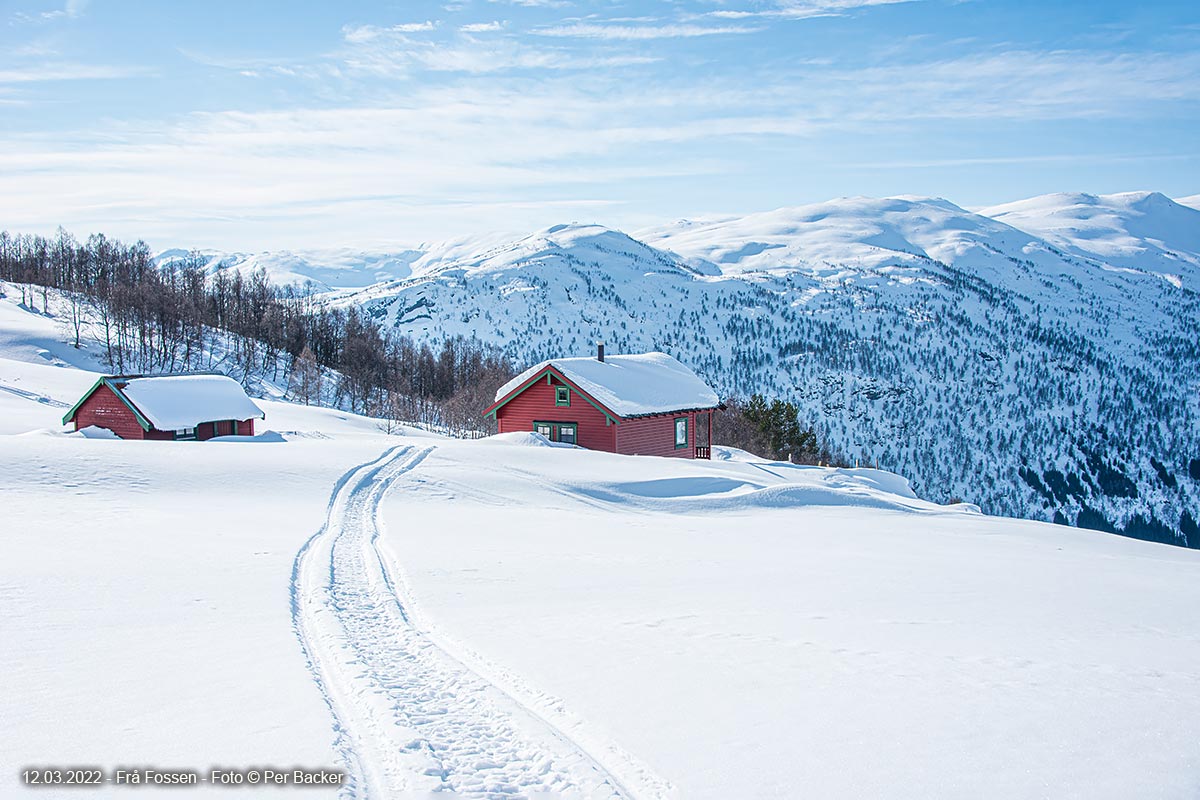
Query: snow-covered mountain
point(317, 270)
point(1039, 359)
point(1144, 231)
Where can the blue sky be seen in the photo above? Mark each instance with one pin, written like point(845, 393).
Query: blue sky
point(255, 125)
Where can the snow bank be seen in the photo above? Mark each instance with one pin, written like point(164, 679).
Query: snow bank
point(93, 432)
point(267, 437)
point(523, 439)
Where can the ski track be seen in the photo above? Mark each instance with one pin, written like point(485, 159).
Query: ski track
point(409, 718)
point(34, 396)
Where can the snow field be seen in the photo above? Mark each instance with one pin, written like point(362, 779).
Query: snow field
point(410, 717)
point(146, 615)
point(500, 618)
point(769, 649)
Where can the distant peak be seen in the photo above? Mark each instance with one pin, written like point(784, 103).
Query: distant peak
point(576, 227)
point(1145, 199)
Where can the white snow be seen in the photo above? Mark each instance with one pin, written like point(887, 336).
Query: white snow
point(850, 233)
point(323, 269)
point(145, 608)
point(1144, 231)
point(629, 385)
point(172, 402)
point(752, 629)
point(492, 253)
point(940, 343)
point(499, 619)
point(524, 439)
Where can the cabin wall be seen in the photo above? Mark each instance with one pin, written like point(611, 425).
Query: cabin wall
point(105, 410)
point(655, 436)
point(537, 404)
point(205, 430)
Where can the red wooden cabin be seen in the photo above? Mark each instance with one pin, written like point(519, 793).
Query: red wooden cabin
point(167, 407)
point(647, 404)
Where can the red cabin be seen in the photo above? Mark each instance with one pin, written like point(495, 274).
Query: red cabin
point(167, 407)
point(647, 404)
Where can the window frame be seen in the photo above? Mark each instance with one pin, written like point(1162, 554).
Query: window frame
point(675, 432)
point(539, 423)
point(565, 399)
point(574, 426)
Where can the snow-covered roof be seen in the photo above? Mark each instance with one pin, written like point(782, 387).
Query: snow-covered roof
point(629, 385)
point(172, 402)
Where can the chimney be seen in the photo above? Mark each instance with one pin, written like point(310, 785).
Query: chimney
point(600, 351)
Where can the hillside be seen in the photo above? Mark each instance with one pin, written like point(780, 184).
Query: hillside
point(1037, 358)
point(975, 357)
point(503, 618)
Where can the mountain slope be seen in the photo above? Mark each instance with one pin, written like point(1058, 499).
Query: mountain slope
point(1144, 231)
point(977, 359)
point(323, 269)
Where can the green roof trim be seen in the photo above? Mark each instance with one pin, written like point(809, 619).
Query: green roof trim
point(107, 380)
point(610, 418)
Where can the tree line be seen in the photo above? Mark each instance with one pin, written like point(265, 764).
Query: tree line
point(143, 317)
point(772, 429)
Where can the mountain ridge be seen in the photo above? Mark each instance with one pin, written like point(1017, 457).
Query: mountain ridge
point(983, 361)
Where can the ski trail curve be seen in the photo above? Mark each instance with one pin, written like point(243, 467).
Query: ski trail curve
point(408, 717)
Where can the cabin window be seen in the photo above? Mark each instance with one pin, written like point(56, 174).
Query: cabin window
point(185, 433)
point(681, 432)
point(562, 396)
point(566, 433)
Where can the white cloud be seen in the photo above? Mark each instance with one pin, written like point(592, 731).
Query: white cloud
point(483, 27)
point(588, 30)
point(72, 9)
point(804, 9)
point(535, 3)
point(366, 33)
point(515, 140)
point(64, 71)
point(393, 54)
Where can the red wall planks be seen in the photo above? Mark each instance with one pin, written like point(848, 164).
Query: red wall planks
point(655, 436)
point(537, 404)
point(105, 410)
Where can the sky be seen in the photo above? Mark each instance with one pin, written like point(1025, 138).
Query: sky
point(282, 125)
